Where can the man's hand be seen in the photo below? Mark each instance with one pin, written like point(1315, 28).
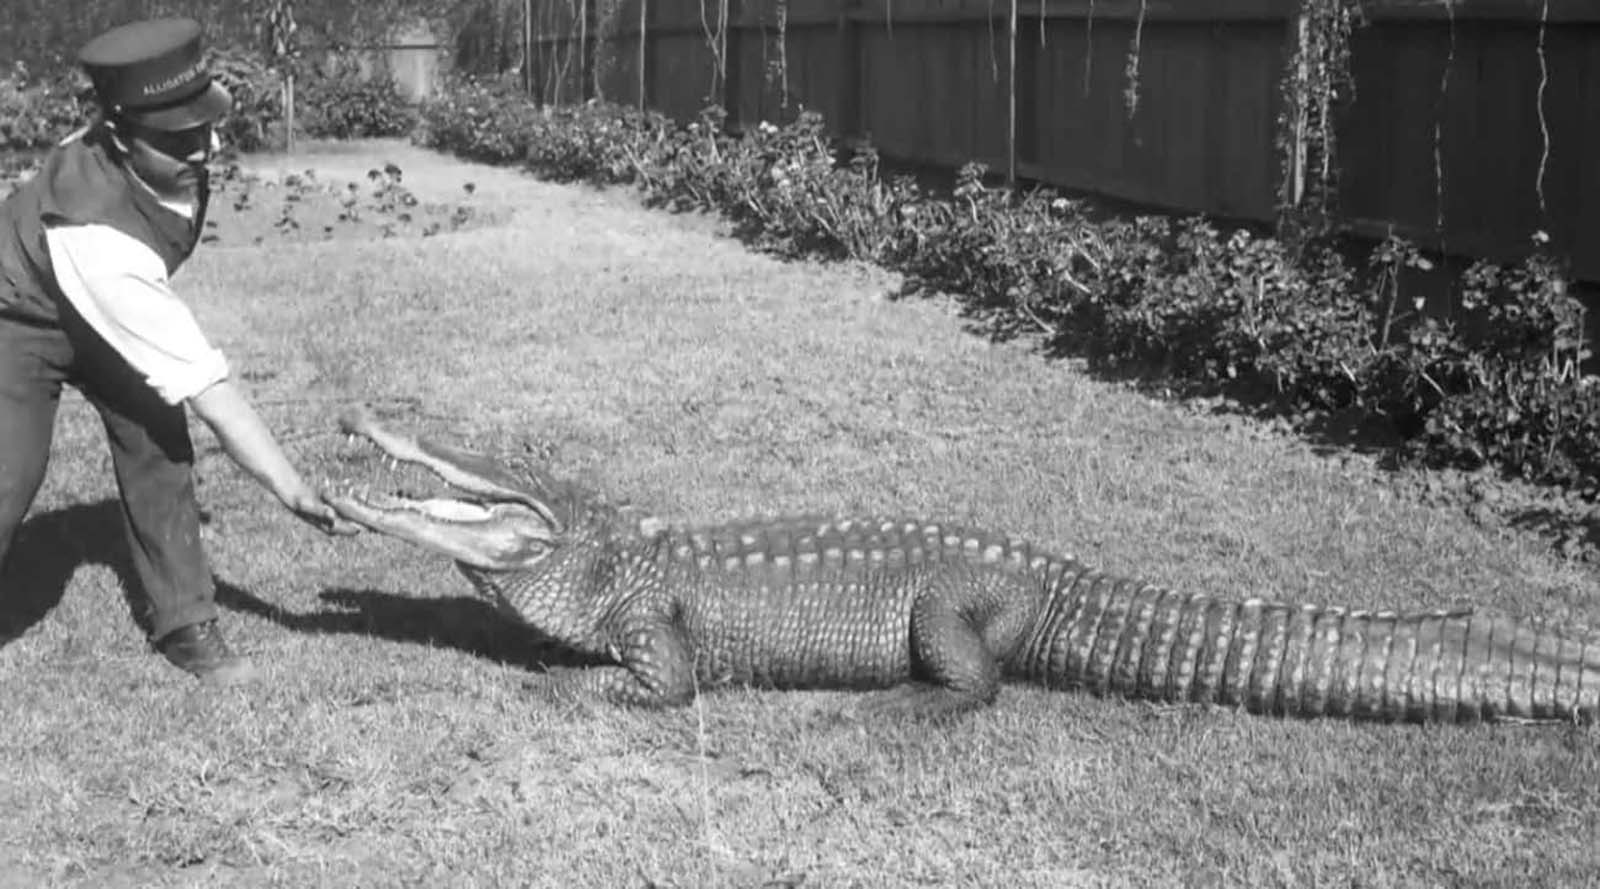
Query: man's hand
point(312, 509)
point(251, 445)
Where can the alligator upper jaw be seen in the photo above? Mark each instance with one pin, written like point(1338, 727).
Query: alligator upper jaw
point(465, 470)
point(499, 525)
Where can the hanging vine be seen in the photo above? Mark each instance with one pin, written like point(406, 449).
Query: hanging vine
point(1088, 49)
point(607, 19)
point(282, 49)
point(994, 58)
point(1544, 122)
point(1438, 123)
point(1317, 81)
point(777, 68)
point(716, 32)
point(562, 57)
point(1131, 95)
point(783, 51)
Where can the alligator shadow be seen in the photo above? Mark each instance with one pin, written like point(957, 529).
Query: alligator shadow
point(48, 550)
point(465, 624)
point(50, 547)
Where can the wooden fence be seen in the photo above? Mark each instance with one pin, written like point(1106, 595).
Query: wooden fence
point(1472, 126)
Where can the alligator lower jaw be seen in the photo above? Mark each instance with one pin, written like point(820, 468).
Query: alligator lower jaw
point(439, 509)
point(377, 507)
point(490, 536)
point(464, 471)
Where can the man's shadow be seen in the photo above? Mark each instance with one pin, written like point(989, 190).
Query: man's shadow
point(51, 546)
point(48, 549)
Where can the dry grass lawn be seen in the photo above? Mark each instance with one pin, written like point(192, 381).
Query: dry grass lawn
point(392, 743)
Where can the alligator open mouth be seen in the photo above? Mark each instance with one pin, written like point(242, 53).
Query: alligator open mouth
point(492, 520)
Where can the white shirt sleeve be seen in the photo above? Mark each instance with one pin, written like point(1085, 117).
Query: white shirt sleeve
point(119, 286)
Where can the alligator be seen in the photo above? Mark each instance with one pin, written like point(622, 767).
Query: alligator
point(936, 615)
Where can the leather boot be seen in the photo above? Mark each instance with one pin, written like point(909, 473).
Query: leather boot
point(201, 650)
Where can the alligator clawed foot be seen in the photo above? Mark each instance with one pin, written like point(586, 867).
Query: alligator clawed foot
point(556, 688)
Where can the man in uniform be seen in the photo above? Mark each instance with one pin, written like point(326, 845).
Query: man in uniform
point(87, 247)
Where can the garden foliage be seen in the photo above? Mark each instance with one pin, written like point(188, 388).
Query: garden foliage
point(334, 101)
point(35, 110)
point(340, 101)
point(1497, 381)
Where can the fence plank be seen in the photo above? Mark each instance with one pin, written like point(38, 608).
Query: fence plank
point(798, 12)
point(1554, 12)
point(930, 83)
point(847, 49)
point(1585, 250)
point(1201, 137)
point(1102, 10)
point(811, 81)
point(1571, 121)
point(1489, 139)
point(685, 72)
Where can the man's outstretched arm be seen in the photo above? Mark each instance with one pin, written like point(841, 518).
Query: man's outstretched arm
point(251, 445)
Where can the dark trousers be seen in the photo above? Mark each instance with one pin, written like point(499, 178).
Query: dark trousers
point(151, 454)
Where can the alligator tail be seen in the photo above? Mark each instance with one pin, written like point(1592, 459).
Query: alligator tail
point(1121, 637)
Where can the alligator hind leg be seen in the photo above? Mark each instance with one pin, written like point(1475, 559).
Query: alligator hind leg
point(956, 619)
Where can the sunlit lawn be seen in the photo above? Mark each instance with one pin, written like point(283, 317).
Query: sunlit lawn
point(392, 744)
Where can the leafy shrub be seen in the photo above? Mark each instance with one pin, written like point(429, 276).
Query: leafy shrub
point(783, 186)
point(1021, 262)
point(1221, 309)
point(341, 102)
point(37, 112)
point(257, 119)
point(595, 142)
point(1499, 385)
point(484, 120)
point(1521, 400)
point(1539, 429)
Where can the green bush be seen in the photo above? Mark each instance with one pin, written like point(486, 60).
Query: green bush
point(1499, 383)
point(1206, 307)
point(257, 119)
point(1020, 262)
point(37, 112)
point(783, 187)
point(485, 121)
point(1518, 398)
point(1221, 309)
point(343, 103)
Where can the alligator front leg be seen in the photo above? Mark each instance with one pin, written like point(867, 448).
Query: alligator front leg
point(655, 669)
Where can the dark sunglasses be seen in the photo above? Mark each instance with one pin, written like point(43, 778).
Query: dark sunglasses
point(178, 144)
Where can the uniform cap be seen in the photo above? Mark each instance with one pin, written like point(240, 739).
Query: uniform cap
point(154, 73)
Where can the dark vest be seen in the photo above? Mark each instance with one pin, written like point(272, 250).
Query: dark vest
point(82, 182)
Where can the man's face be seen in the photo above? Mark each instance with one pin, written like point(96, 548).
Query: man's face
point(170, 160)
